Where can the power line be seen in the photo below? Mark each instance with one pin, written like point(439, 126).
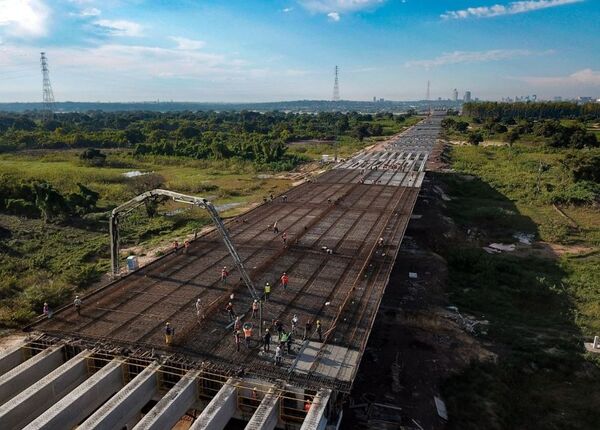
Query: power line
point(48, 94)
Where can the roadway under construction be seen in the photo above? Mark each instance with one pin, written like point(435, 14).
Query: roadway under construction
point(344, 229)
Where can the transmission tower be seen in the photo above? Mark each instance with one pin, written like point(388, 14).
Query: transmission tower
point(48, 95)
point(336, 87)
point(427, 96)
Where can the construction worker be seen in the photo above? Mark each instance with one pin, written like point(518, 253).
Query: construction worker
point(224, 274)
point(237, 325)
point(307, 330)
point(77, 304)
point(294, 323)
point(278, 356)
point(275, 228)
point(307, 405)
point(284, 238)
point(267, 341)
point(237, 336)
point(47, 311)
point(230, 311)
point(247, 334)
point(283, 338)
point(199, 308)
point(267, 291)
point(186, 246)
point(380, 243)
point(319, 330)
point(169, 333)
point(279, 327)
point(175, 246)
point(254, 308)
point(284, 280)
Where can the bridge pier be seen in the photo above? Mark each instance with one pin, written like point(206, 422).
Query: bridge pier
point(220, 410)
point(265, 417)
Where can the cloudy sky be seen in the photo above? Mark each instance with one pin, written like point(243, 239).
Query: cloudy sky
point(262, 50)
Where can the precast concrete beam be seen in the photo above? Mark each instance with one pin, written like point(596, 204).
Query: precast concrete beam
point(220, 410)
point(27, 373)
point(83, 400)
point(316, 419)
point(266, 415)
point(174, 404)
point(11, 357)
point(121, 408)
point(30, 403)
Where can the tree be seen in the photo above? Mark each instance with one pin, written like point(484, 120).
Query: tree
point(512, 136)
point(141, 184)
point(475, 138)
point(93, 157)
point(49, 201)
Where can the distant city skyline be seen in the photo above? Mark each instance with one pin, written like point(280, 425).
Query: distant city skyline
point(240, 51)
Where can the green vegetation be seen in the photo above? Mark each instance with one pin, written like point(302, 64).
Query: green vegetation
point(541, 302)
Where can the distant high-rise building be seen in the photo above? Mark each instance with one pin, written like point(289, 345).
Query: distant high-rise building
point(374, 99)
point(467, 96)
point(455, 95)
point(381, 100)
point(557, 99)
point(534, 97)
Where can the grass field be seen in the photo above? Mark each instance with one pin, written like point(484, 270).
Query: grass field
point(541, 301)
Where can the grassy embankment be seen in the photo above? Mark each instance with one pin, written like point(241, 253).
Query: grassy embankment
point(49, 262)
point(541, 301)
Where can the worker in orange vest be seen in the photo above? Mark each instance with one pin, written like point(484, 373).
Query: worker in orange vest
point(284, 280)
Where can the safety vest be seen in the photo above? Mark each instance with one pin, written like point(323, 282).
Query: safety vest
point(267, 288)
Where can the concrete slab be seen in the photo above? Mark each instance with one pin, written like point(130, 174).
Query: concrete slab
point(220, 410)
point(336, 362)
point(27, 373)
point(30, 403)
point(123, 407)
point(315, 419)
point(180, 398)
point(83, 400)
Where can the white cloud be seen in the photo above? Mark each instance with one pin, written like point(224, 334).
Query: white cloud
point(334, 16)
point(578, 78)
point(287, 9)
point(120, 27)
point(188, 44)
point(457, 57)
point(90, 11)
point(510, 9)
point(24, 18)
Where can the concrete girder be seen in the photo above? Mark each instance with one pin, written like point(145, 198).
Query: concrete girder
point(174, 404)
point(29, 404)
point(127, 403)
point(27, 373)
point(83, 400)
point(12, 357)
point(266, 415)
point(220, 410)
point(316, 419)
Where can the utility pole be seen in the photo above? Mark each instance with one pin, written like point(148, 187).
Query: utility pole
point(336, 86)
point(48, 94)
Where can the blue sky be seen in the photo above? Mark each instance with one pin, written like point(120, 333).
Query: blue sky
point(251, 50)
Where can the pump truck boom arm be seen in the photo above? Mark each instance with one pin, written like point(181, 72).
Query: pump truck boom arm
point(200, 202)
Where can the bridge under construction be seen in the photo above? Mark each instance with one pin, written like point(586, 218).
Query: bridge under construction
point(109, 366)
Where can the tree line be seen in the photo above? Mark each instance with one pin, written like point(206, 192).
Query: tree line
point(532, 110)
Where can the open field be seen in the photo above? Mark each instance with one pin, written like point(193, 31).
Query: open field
point(541, 301)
